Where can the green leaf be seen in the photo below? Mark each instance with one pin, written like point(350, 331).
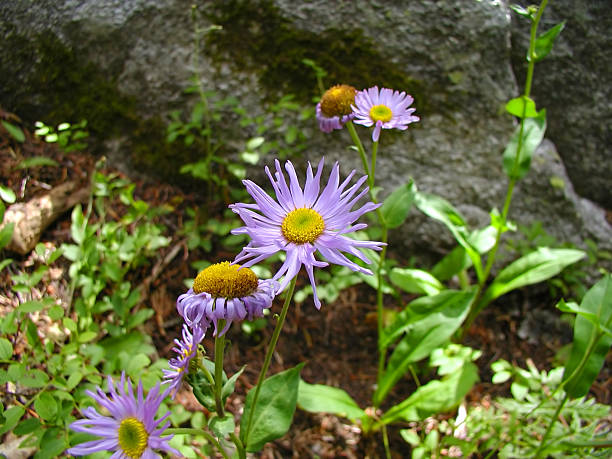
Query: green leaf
point(522, 107)
point(228, 387)
point(535, 267)
point(439, 209)
point(27, 426)
point(531, 136)
point(319, 398)
point(416, 281)
point(222, 427)
point(397, 205)
point(14, 131)
point(6, 349)
point(7, 195)
point(435, 397)
point(6, 233)
point(274, 410)
point(544, 42)
point(37, 161)
point(11, 418)
point(254, 143)
point(34, 379)
point(427, 322)
point(579, 374)
point(46, 406)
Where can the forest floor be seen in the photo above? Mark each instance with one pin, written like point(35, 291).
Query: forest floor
point(338, 343)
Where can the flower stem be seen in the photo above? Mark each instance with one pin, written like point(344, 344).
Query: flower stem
point(476, 307)
point(219, 348)
point(550, 426)
point(264, 369)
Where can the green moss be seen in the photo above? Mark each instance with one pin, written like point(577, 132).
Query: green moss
point(256, 38)
point(61, 86)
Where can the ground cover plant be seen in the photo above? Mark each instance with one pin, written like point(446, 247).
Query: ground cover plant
point(84, 322)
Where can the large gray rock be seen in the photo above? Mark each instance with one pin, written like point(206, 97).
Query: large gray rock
point(453, 56)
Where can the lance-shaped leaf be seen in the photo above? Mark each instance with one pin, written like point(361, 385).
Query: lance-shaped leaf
point(397, 205)
point(544, 42)
point(416, 281)
point(535, 267)
point(273, 411)
point(527, 136)
point(319, 398)
point(591, 341)
point(436, 396)
point(457, 259)
point(440, 209)
point(427, 322)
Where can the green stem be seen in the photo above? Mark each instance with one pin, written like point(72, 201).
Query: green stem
point(239, 446)
point(476, 307)
point(264, 369)
point(362, 153)
point(219, 348)
point(370, 172)
point(386, 442)
point(201, 433)
point(550, 426)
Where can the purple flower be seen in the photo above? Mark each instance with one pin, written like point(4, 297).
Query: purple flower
point(386, 109)
point(186, 350)
point(131, 430)
point(334, 110)
point(225, 291)
point(302, 222)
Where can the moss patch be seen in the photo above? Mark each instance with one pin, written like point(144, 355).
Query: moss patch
point(256, 38)
point(60, 86)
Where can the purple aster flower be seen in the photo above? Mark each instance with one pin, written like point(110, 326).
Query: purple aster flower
point(186, 350)
point(386, 109)
point(334, 110)
point(302, 222)
point(225, 291)
point(131, 430)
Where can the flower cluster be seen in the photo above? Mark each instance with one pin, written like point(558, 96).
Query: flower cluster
point(383, 109)
point(311, 224)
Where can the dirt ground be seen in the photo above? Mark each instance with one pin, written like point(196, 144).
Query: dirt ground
point(338, 343)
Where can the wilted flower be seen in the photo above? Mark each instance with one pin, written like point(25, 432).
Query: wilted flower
point(225, 291)
point(131, 430)
point(334, 109)
point(386, 109)
point(186, 349)
point(303, 222)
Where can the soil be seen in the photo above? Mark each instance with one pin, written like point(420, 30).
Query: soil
point(338, 343)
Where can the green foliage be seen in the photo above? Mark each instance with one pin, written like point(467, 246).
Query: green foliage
point(96, 334)
point(319, 398)
point(523, 143)
point(14, 131)
point(514, 427)
point(274, 410)
point(592, 337)
point(69, 137)
point(397, 205)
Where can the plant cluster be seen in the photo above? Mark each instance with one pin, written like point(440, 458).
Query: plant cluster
point(311, 223)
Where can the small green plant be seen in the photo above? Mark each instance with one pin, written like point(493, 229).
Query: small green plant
point(69, 137)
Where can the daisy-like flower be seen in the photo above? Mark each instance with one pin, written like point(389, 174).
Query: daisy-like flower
point(387, 109)
point(225, 291)
point(334, 109)
point(302, 222)
point(131, 430)
point(186, 349)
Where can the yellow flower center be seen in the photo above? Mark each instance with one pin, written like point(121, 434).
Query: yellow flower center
point(302, 225)
point(381, 113)
point(337, 100)
point(226, 281)
point(132, 437)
